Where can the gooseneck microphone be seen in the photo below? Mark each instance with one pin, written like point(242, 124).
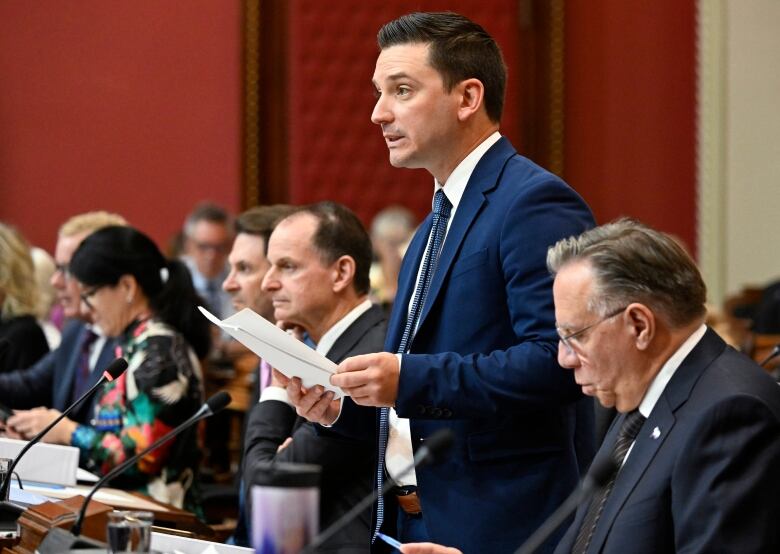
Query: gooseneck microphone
point(771, 356)
point(430, 451)
point(114, 370)
point(213, 405)
point(599, 475)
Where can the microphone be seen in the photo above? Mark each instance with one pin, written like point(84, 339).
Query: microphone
point(597, 478)
point(213, 405)
point(430, 451)
point(114, 370)
point(772, 355)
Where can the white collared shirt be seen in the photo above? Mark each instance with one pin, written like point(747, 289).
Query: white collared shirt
point(661, 380)
point(399, 453)
point(323, 347)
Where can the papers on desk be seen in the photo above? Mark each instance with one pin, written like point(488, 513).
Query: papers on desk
point(109, 496)
point(45, 463)
point(183, 545)
point(283, 351)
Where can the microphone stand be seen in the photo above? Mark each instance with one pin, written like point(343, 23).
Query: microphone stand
point(60, 540)
point(10, 512)
point(596, 478)
point(426, 454)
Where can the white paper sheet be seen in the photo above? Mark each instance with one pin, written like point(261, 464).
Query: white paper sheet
point(283, 351)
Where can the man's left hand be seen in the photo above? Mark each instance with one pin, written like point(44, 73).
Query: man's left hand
point(370, 379)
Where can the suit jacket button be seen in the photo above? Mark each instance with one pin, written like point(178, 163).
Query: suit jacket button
point(437, 412)
point(446, 413)
point(421, 410)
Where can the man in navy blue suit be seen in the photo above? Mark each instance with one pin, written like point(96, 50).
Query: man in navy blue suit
point(471, 343)
point(701, 472)
point(695, 445)
point(42, 391)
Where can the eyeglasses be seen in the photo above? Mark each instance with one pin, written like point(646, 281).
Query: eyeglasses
point(64, 269)
point(87, 294)
point(205, 247)
point(570, 340)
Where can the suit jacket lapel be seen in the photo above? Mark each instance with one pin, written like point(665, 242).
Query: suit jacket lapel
point(63, 391)
point(645, 447)
point(407, 278)
point(483, 179)
point(352, 335)
point(656, 429)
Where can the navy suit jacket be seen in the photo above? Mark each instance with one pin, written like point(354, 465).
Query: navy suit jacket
point(483, 360)
point(702, 475)
point(50, 381)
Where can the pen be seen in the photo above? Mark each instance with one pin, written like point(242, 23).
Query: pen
point(390, 540)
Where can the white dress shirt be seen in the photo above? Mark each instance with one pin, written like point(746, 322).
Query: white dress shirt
point(399, 454)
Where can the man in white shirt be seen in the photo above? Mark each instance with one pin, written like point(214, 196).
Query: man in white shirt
point(471, 339)
point(320, 257)
point(696, 446)
point(696, 473)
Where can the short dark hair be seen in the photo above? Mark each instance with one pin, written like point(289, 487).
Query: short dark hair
point(260, 221)
point(459, 49)
point(206, 211)
point(632, 262)
point(340, 233)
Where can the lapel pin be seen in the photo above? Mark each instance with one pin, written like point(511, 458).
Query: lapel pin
point(656, 433)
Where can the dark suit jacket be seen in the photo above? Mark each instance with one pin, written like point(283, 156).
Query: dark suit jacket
point(50, 381)
point(347, 464)
point(26, 343)
point(708, 479)
point(484, 359)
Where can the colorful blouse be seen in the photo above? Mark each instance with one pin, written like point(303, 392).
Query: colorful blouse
point(161, 388)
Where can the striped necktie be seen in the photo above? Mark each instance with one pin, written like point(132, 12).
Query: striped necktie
point(441, 215)
point(628, 432)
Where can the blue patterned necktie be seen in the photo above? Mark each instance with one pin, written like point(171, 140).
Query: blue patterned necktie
point(441, 215)
point(628, 432)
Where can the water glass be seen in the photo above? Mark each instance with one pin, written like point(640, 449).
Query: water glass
point(129, 531)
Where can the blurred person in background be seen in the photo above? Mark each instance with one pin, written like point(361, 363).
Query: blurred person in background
point(44, 270)
point(65, 373)
point(391, 230)
point(25, 341)
point(149, 305)
point(208, 235)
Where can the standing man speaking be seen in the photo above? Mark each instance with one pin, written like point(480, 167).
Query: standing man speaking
point(471, 341)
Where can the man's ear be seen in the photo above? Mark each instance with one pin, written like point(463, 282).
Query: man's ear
point(471, 94)
point(343, 274)
point(643, 324)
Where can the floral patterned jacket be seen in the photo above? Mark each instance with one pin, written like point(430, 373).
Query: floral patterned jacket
point(161, 388)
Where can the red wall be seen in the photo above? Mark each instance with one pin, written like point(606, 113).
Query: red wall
point(630, 110)
point(133, 107)
point(136, 107)
point(336, 153)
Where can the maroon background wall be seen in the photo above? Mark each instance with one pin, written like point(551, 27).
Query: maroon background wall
point(630, 110)
point(127, 106)
point(136, 107)
point(336, 153)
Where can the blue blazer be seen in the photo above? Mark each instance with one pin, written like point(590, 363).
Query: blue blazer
point(484, 359)
point(49, 382)
point(703, 474)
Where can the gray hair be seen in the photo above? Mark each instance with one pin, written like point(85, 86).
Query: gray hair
point(207, 211)
point(633, 263)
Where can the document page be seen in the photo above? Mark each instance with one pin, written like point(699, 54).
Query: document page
point(277, 347)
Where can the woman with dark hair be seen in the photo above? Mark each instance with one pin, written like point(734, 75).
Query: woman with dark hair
point(147, 303)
